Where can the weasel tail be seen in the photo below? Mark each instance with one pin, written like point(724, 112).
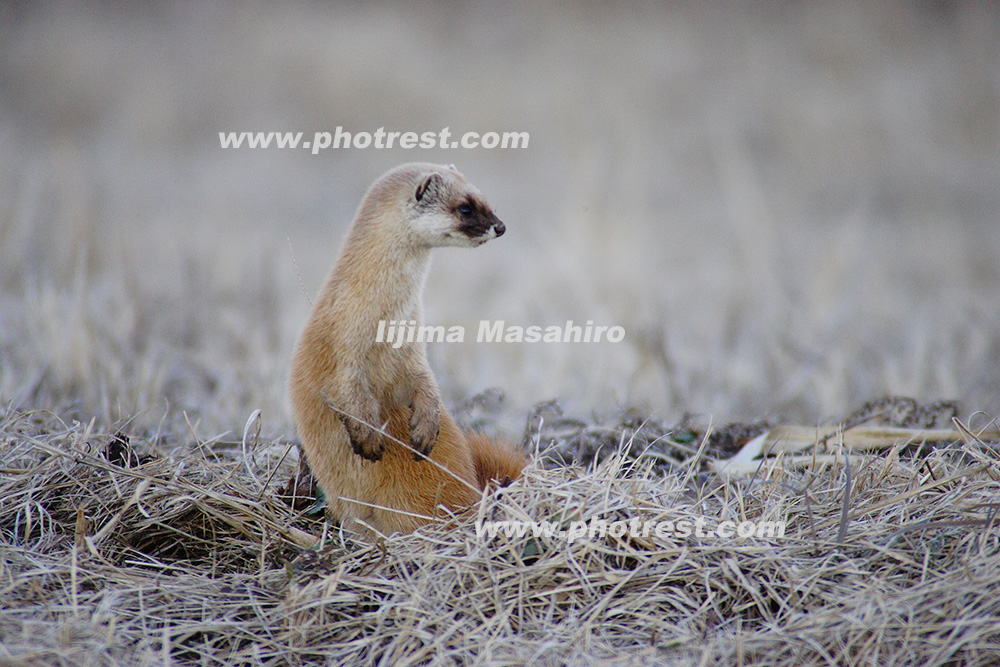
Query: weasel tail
point(377, 438)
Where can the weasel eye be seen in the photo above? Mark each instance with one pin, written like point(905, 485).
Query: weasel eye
point(465, 210)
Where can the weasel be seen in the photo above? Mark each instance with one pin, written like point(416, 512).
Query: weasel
point(347, 390)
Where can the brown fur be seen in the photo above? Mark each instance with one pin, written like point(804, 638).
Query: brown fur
point(343, 382)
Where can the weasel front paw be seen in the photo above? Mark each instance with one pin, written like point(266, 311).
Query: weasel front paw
point(424, 428)
point(365, 441)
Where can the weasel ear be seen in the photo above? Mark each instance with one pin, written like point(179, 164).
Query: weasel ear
point(429, 184)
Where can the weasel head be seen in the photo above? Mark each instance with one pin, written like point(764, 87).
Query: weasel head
point(438, 207)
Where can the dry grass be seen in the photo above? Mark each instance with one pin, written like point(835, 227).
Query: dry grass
point(191, 559)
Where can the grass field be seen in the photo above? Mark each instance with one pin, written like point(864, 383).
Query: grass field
point(791, 210)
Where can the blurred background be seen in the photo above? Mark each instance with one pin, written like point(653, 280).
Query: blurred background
point(791, 208)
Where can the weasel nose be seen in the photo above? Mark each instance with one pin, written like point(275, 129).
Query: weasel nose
point(499, 227)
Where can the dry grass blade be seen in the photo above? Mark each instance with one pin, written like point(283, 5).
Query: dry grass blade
point(845, 510)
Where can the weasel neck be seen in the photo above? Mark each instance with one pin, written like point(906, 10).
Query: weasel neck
point(387, 278)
